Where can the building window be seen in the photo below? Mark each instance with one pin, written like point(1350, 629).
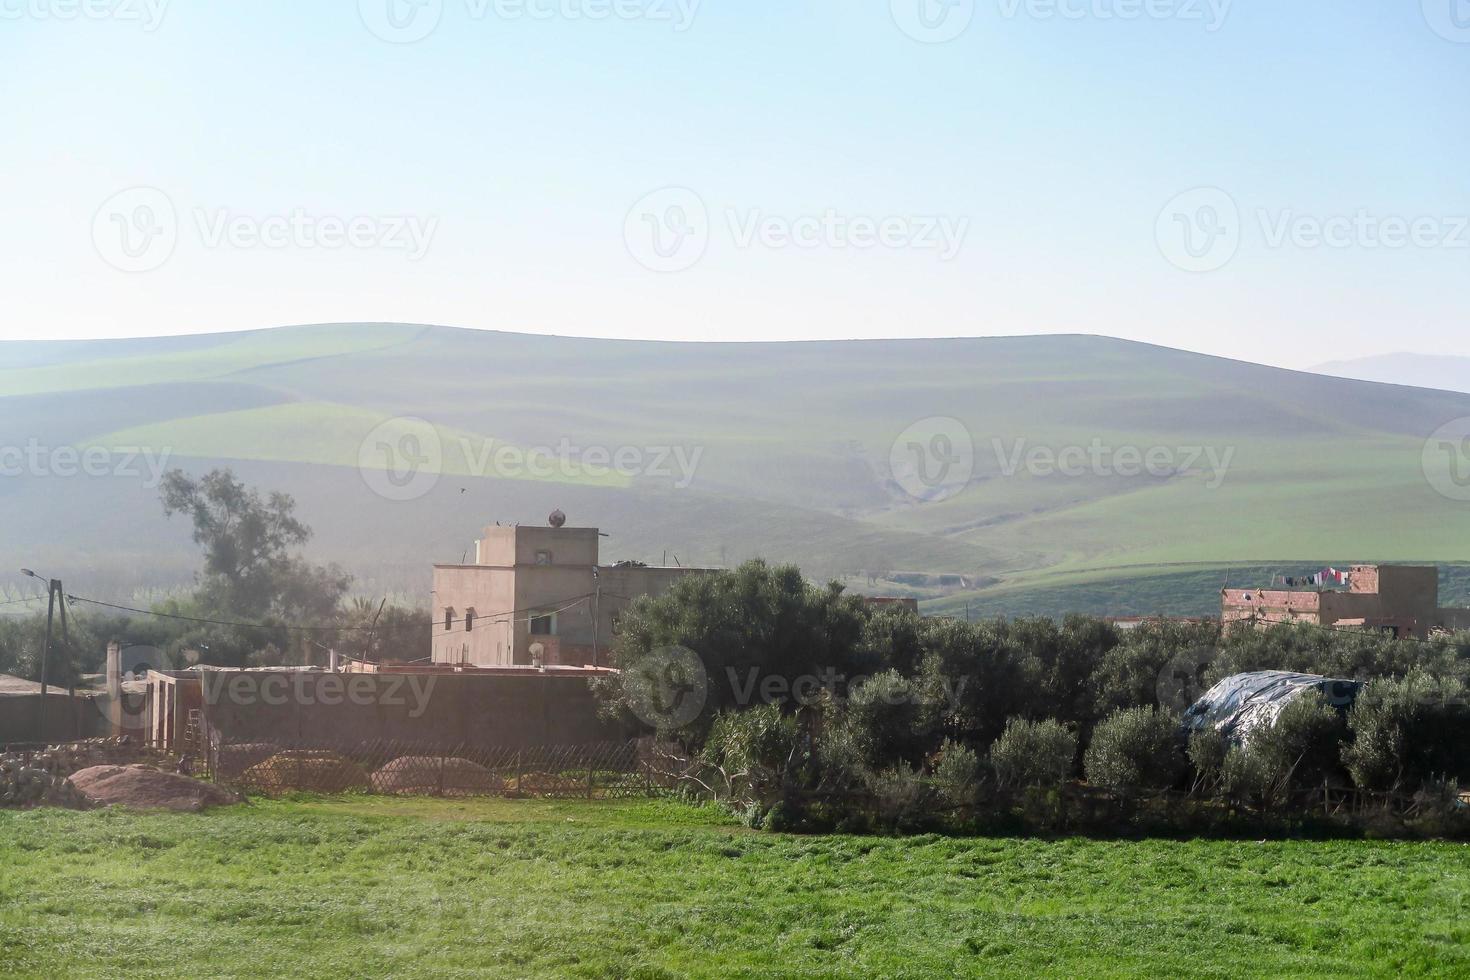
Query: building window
point(469, 619)
point(543, 558)
point(543, 625)
point(448, 618)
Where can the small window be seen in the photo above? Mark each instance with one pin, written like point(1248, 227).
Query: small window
point(543, 558)
point(543, 625)
point(469, 620)
point(448, 618)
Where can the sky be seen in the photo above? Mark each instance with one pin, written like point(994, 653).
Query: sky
point(1277, 182)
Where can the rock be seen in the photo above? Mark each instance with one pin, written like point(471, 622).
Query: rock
point(312, 771)
point(436, 776)
point(145, 788)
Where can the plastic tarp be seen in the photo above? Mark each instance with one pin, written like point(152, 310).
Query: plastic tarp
point(1242, 704)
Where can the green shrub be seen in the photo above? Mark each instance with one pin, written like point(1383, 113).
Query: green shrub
point(885, 721)
point(1407, 731)
point(1033, 753)
point(1207, 751)
point(1301, 747)
point(1135, 749)
point(1245, 775)
point(899, 794)
point(758, 737)
point(958, 773)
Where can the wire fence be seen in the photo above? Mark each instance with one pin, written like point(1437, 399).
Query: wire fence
point(402, 768)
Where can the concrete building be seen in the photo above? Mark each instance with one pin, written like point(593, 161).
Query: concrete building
point(537, 596)
point(1402, 600)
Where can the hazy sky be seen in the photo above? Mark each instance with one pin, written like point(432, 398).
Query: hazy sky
point(739, 170)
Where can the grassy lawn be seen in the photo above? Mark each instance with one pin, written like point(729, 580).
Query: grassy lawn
point(372, 887)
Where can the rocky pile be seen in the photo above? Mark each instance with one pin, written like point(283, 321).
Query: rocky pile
point(145, 788)
point(65, 759)
point(419, 775)
point(23, 785)
point(312, 771)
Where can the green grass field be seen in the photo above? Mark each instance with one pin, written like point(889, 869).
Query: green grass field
point(370, 887)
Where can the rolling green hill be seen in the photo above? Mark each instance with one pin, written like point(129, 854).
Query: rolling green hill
point(816, 453)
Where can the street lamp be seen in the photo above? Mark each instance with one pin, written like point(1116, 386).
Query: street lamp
point(53, 589)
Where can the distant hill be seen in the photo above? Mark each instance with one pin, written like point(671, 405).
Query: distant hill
point(1419, 370)
point(817, 453)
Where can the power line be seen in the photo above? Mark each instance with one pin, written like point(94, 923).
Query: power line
point(490, 618)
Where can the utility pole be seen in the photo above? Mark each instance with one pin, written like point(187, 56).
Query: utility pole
point(53, 589)
point(596, 613)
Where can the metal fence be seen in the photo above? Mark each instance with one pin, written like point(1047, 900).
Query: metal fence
point(402, 768)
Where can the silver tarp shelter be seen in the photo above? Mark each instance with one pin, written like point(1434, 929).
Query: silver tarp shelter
point(1242, 704)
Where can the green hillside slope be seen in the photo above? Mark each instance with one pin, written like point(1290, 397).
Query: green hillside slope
point(728, 451)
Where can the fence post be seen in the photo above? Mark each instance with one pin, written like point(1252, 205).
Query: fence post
point(590, 771)
point(518, 772)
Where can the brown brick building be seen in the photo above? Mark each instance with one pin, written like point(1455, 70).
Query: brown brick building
point(1399, 599)
point(537, 595)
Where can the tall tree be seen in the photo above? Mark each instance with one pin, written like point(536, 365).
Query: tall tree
point(249, 572)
